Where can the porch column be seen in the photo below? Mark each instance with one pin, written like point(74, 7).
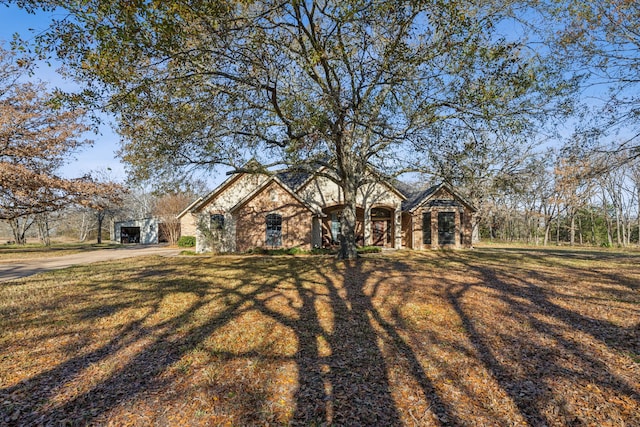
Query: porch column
point(435, 236)
point(366, 224)
point(397, 226)
point(316, 232)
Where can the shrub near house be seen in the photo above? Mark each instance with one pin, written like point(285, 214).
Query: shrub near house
point(187, 241)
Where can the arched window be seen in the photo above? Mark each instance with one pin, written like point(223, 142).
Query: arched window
point(274, 230)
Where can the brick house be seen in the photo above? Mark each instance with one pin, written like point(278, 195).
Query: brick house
point(297, 210)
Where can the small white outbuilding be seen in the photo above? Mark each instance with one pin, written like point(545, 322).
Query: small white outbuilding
point(136, 231)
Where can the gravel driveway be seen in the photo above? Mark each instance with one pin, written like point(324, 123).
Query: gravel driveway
point(11, 270)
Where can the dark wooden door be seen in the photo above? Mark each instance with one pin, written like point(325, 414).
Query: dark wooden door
point(380, 232)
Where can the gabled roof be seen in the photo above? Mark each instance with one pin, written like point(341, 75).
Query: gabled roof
point(423, 197)
point(203, 201)
point(416, 199)
point(293, 179)
point(273, 178)
point(386, 182)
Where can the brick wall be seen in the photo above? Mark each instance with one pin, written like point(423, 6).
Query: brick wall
point(188, 225)
point(251, 219)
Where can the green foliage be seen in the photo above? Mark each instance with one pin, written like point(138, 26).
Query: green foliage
point(187, 241)
point(295, 251)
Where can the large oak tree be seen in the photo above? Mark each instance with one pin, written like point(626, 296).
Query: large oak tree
point(298, 84)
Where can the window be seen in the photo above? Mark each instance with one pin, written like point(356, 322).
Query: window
point(446, 228)
point(216, 222)
point(426, 228)
point(274, 230)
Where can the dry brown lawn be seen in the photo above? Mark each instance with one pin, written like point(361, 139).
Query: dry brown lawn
point(10, 253)
point(485, 337)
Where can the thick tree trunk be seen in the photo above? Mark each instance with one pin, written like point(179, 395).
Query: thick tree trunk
point(349, 174)
point(348, 249)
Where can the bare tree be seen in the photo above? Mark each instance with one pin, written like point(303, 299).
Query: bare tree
point(37, 135)
point(167, 208)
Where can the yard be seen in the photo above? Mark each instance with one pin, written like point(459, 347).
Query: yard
point(12, 252)
point(492, 336)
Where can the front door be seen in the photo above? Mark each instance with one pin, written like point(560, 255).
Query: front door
point(446, 228)
point(381, 235)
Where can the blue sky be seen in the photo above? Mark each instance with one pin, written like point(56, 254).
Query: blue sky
point(102, 154)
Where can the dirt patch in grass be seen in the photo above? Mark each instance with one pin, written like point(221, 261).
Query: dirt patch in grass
point(483, 337)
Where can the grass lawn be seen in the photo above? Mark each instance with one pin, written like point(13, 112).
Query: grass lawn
point(492, 336)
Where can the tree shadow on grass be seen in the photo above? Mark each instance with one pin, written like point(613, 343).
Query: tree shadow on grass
point(555, 345)
point(31, 400)
point(341, 372)
point(343, 337)
point(346, 383)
